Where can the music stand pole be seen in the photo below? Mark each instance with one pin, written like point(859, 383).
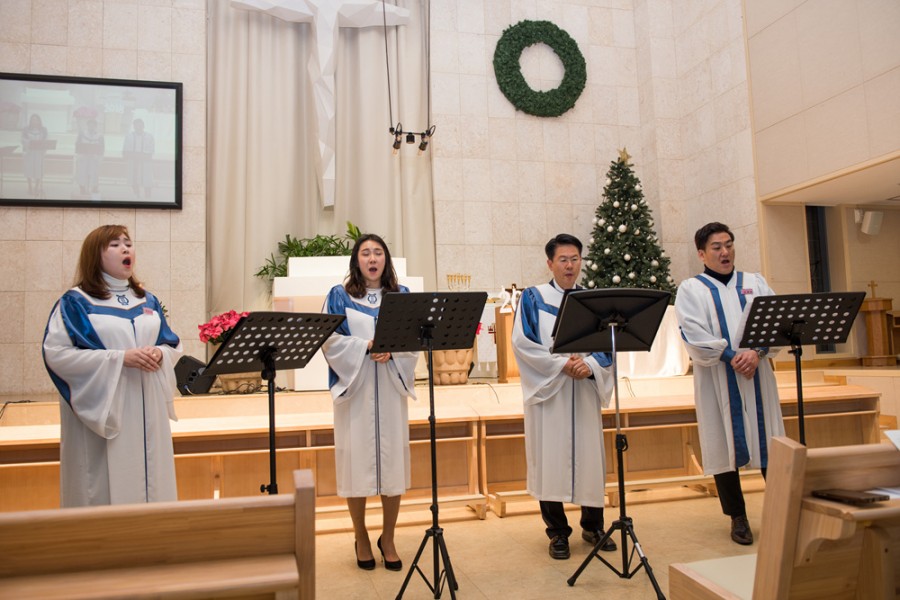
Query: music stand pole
point(797, 319)
point(612, 320)
point(263, 340)
point(268, 374)
point(624, 523)
point(411, 323)
point(797, 351)
point(436, 532)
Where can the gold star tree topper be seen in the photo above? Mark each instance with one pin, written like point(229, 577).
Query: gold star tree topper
point(624, 156)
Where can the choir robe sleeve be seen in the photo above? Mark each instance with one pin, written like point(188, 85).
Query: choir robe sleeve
point(344, 352)
point(704, 342)
point(347, 349)
point(403, 366)
point(88, 375)
point(541, 371)
point(599, 363)
point(163, 380)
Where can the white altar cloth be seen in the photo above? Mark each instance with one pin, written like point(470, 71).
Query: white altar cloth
point(667, 357)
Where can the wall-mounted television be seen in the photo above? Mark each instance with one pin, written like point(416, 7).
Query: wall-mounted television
point(88, 142)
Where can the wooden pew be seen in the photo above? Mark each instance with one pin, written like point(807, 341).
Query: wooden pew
point(251, 547)
point(812, 548)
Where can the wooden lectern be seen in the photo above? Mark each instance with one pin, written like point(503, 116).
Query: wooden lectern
point(507, 368)
point(880, 353)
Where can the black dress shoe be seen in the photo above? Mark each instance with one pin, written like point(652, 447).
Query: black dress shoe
point(740, 530)
point(390, 565)
point(592, 537)
point(559, 547)
point(367, 565)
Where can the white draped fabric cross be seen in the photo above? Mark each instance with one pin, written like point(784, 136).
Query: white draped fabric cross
point(327, 17)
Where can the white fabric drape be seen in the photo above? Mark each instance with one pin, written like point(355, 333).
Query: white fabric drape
point(263, 147)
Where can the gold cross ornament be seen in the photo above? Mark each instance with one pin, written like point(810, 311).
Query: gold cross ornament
point(872, 285)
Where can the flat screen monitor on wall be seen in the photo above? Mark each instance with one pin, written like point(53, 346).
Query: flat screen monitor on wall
point(77, 141)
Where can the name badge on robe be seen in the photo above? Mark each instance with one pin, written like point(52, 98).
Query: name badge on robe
point(746, 291)
point(148, 311)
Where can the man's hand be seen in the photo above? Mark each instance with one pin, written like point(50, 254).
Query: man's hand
point(576, 368)
point(745, 363)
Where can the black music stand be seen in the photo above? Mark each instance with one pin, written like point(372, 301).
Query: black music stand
point(612, 320)
point(429, 321)
point(262, 341)
point(797, 319)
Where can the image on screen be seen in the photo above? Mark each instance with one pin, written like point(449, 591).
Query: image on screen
point(89, 142)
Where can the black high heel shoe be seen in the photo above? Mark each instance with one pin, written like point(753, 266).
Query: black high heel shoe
point(390, 565)
point(368, 565)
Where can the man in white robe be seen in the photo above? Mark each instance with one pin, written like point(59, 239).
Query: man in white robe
point(563, 396)
point(738, 410)
point(116, 443)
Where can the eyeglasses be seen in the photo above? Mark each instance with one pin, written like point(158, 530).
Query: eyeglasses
point(567, 260)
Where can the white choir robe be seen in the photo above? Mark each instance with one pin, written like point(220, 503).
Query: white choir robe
point(115, 439)
point(711, 354)
point(563, 424)
point(371, 420)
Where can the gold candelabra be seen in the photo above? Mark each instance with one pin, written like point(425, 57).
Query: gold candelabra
point(459, 282)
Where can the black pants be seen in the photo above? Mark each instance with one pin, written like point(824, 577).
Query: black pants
point(731, 497)
point(555, 518)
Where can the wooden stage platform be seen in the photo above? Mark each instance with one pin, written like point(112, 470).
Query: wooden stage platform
point(221, 443)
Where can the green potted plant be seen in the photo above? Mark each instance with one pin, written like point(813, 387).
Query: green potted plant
point(320, 245)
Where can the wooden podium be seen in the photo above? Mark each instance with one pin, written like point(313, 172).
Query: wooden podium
point(507, 368)
point(880, 351)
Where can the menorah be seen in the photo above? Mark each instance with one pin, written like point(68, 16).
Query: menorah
point(459, 282)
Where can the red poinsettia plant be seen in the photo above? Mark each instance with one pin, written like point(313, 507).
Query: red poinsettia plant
point(214, 331)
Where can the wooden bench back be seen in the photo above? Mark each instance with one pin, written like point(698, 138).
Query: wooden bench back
point(794, 471)
point(108, 537)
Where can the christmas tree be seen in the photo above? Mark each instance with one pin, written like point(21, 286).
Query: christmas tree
point(623, 250)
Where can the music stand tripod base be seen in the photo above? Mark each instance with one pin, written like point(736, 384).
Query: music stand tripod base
point(266, 341)
point(591, 321)
point(428, 321)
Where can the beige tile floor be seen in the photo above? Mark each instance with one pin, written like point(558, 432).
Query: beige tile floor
point(507, 558)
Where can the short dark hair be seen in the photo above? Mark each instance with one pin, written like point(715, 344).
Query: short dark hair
point(704, 233)
point(563, 239)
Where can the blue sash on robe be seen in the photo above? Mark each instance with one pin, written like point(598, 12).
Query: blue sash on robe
point(741, 452)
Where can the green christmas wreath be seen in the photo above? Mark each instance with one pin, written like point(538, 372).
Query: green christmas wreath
point(512, 83)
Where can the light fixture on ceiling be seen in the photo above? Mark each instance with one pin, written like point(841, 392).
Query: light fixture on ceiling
point(397, 131)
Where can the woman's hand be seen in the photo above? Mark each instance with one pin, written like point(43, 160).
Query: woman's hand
point(147, 358)
point(379, 357)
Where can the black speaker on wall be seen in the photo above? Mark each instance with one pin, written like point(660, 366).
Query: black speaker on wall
point(189, 376)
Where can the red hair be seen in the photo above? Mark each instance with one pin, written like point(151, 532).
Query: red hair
point(89, 276)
